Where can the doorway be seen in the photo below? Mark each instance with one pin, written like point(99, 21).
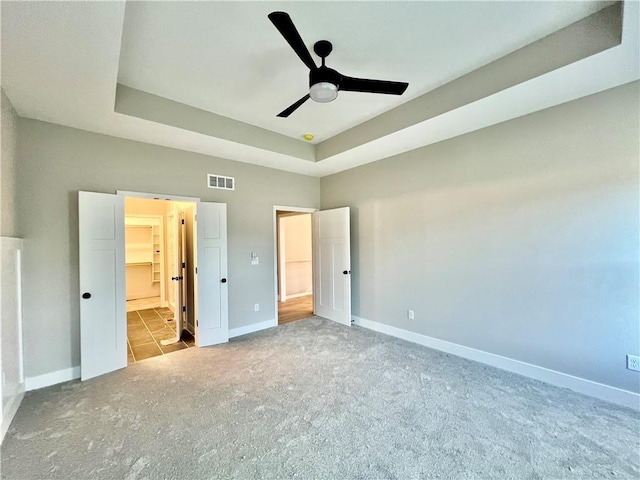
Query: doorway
point(295, 266)
point(330, 262)
point(102, 265)
point(159, 269)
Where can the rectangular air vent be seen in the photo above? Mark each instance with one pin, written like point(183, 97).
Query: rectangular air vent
point(218, 181)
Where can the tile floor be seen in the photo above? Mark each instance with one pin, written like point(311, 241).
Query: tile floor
point(147, 328)
point(143, 303)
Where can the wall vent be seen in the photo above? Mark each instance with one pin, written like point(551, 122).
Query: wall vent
point(218, 181)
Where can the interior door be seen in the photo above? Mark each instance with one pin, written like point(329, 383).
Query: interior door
point(332, 265)
point(184, 272)
point(212, 313)
point(176, 276)
point(171, 256)
point(103, 319)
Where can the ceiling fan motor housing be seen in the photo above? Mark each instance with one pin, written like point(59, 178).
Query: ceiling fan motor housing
point(324, 74)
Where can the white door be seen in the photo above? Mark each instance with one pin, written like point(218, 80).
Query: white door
point(177, 276)
point(178, 315)
point(332, 265)
point(171, 257)
point(184, 268)
point(212, 315)
point(103, 319)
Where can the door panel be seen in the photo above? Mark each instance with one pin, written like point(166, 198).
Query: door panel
point(340, 263)
point(103, 320)
point(171, 257)
point(212, 319)
point(179, 314)
point(332, 295)
point(189, 282)
point(177, 288)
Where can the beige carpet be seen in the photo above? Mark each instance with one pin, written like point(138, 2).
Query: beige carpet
point(317, 400)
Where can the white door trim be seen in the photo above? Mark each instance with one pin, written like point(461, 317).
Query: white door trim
point(171, 198)
point(158, 196)
point(282, 208)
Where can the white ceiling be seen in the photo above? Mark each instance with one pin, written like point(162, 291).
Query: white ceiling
point(61, 62)
point(229, 59)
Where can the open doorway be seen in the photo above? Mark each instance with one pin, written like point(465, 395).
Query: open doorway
point(102, 275)
point(294, 259)
point(160, 277)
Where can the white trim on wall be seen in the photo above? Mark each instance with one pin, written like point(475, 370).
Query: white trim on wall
point(255, 327)
point(157, 196)
point(281, 240)
point(66, 375)
point(577, 384)
point(52, 378)
point(299, 295)
point(9, 412)
point(12, 386)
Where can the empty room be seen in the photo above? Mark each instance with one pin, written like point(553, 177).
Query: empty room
point(320, 240)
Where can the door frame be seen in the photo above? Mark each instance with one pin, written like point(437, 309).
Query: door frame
point(170, 198)
point(276, 209)
point(158, 196)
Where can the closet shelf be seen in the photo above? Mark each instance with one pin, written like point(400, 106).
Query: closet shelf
point(134, 264)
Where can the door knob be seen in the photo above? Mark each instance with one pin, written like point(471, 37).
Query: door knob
point(224, 280)
point(86, 295)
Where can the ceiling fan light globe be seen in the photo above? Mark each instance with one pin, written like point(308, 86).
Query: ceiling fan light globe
point(323, 92)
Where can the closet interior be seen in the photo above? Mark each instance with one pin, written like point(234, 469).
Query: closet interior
point(159, 265)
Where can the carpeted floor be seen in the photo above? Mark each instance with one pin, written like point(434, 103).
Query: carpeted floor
point(316, 400)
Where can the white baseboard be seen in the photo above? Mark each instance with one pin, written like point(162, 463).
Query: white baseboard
point(7, 416)
point(581, 385)
point(255, 327)
point(298, 295)
point(53, 378)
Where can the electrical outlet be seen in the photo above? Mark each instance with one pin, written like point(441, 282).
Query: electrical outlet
point(633, 362)
point(411, 315)
point(256, 307)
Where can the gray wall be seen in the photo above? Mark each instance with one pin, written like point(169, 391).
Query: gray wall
point(56, 162)
point(520, 239)
point(9, 120)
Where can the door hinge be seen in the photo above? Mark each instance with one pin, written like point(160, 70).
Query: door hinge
point(196, 322)
point(183, 221)
point(196, 270)
point(184, 265)
point(184, 309)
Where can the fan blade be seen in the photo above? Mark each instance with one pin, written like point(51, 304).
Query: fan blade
point(285, 26)
point(351, 84)
point(288, 111)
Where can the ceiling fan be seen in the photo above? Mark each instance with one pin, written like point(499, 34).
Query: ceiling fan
point(324, 82)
